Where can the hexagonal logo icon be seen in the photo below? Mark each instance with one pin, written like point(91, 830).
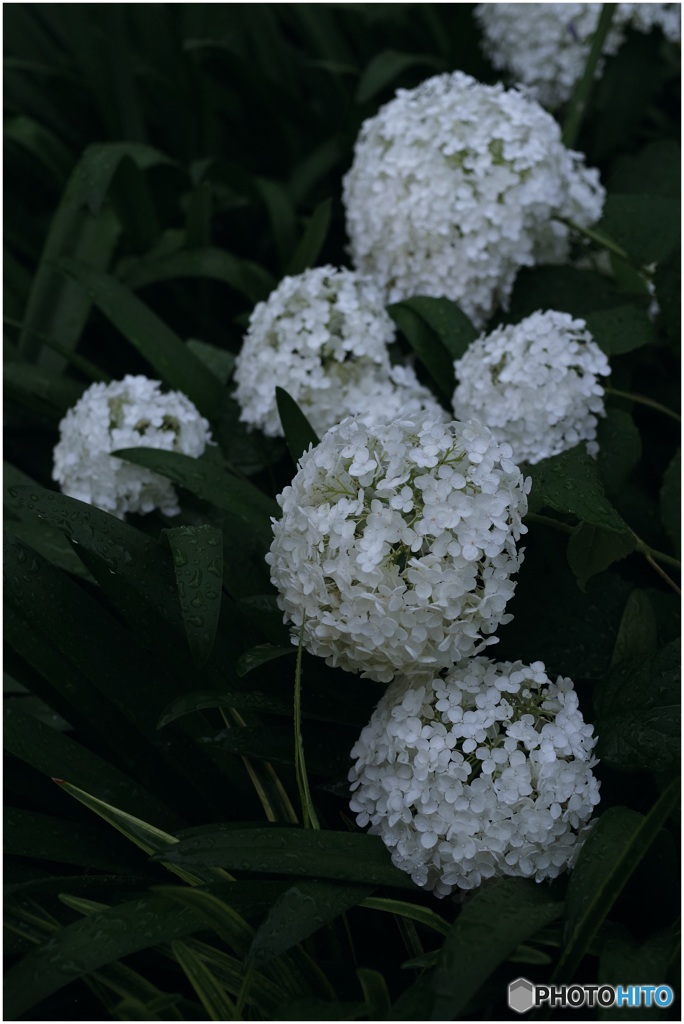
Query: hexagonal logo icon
point(521, 995)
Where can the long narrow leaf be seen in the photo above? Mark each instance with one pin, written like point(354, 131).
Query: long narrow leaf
point(92, 942)
point(614, 848)
point(214, 998)
point(155, 341)
point(147, 837)
point(351, 857)
point(299, 434)
point(83, 228)
point(300, 912)
point(490, 927)
point(198, 561)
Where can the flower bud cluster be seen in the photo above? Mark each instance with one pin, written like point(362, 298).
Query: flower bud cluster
point(545, 46)
point(482, 773)
point(535, 384)
point(397, 544)
point(129, 413)
point(323, 336)
point(455, 185)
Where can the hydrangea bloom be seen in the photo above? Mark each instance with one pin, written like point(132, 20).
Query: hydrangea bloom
point(545, 46)
point(398, 542)
point(485, 772)
point(128, 413)
point(456, 185)
point(535, 384)
point(323, 336)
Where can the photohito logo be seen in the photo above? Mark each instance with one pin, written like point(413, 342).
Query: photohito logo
point(523, 995)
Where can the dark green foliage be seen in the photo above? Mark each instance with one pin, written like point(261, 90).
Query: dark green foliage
point(165, 166)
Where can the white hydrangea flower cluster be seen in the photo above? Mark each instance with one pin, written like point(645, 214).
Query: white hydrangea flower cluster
point(545, 46)
point(646, 17)
point(455, 185)
point(397, 544)
point(535, 384)
point(483, 773)
point(128, 413)
point(323, 335)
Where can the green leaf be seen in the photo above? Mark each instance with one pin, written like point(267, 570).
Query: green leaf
point(132, 200)
point(427, 346)
point(613, 849)
point(413, 1001)
point(490, 927)
point(638, 713)
point(621, 329)
point(250, 700)
point(198, 561)
point(668, 286)
point(411, 911)
point(299, 912)
point(619, 449)
point(623, 957)
point(210, 482)
point(155, 341)
point(447, 320)
point(40, 389)
point(347, 857)
point(43, 145)
point(218, 914)
point(214, 998)
point(309, 248)
point(267, 997)
point(119, 667)
point(579, 292)
point(83, 228)
point(312, 1008)
point(638, 634)
point(245, 277)
point(375, 993)
point(299, 434)
point(555, 631)
point(91, 943)
point(569, 483)
point(51, 544)
point(52, 753)
point(126, 551)
point(260, 655)
point(670, 501)
point(646, 227)
point(281, 215)
point(591, 549)
point(217, 360)
point(28, 834)
point(388, 65)
point(653, 170)
point(147, 837)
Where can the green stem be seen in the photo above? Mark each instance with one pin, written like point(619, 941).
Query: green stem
point(554, 524)
point(663, 575)
point(645, 549)
point(643, 400)
point(580, 97)
point(600, 239)
point(652, 555)
point(308, 813)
